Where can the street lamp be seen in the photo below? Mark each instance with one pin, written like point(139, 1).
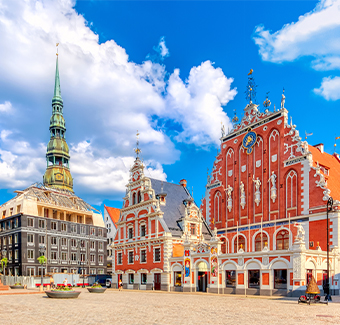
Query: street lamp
point(328, 296)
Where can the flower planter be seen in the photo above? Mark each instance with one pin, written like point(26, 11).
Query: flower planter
point(63, 294)
point(17, 287)
point(96, 290)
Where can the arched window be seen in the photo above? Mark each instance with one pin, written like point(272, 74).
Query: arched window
point(261, 240)
point(217, 206)
point(139, 197)
point(224, 246)
point(241, 244)
point(282, 239)
point(134, 198)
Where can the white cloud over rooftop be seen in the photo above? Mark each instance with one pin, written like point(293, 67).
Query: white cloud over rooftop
point(106, 96)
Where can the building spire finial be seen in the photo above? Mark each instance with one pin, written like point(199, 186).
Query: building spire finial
point(251, 88)
point(137, 149)
point(57, 91)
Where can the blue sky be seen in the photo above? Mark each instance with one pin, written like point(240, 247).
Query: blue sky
point(174, 70)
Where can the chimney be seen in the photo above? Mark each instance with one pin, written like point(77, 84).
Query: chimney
point(183, 182)
point(320, 147)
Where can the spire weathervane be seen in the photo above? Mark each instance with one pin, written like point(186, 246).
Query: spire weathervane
point(251, 88)
point(267, 102)
point(57, 49)
point(137, 150)
point(235, 118)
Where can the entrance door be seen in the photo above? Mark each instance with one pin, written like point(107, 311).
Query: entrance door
point(202, 280)
point(157, 281)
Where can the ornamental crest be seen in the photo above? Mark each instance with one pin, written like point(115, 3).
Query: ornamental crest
point(249, 141)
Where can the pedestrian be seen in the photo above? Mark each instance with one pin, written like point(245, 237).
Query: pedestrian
point(120, 285)
point(51, 282)
point(65, 282)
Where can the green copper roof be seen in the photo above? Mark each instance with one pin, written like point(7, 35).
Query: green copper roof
point(57, 92)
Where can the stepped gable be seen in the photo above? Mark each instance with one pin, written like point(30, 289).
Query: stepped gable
point(174, 208)
point(331, 163)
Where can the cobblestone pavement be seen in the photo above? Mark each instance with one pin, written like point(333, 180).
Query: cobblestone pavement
point(140, 307)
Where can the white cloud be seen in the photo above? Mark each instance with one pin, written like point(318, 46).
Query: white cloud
point(6, 107)
point(314, 35)
point(106, 96)
point(329, 89)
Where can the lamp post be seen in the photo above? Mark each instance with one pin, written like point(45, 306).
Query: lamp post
point(41, 250)
point(328, 296)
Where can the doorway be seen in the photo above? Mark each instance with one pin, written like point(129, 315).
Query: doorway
point(157, 281)
point(202, 280)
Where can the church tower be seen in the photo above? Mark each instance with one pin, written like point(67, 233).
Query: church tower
point(58, 173)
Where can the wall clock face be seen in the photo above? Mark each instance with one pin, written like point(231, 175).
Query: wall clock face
point(249, 141)
point(59, 177)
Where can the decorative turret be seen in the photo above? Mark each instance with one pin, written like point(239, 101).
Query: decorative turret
point(58, 173)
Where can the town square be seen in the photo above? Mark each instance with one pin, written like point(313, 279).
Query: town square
point(169, 162)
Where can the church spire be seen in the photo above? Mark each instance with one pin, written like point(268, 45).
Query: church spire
point(58, 173)
point(57, 92)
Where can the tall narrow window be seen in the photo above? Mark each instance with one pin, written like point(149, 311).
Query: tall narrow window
point(217, 206)
point(239, 243)
point(282, 240)
point(261, 241)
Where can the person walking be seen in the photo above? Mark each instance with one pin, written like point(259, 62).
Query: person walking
point(120, 285)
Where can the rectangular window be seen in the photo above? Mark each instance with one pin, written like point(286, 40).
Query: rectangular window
point(16, 238)
point(63, 241)
point(63, 227)
point(83, 229)
point(53, 240)
point(15, 223)
point(280, 279)
point(53, 225)
point(10, 240)
point(16, 254)
point(157, 254)
point(130, 257)
point(131, 278)
point(119, 258)
point(142, 230)
point(30, 238)
point(82, 257)
point(64, 256)
point(100, 232)
point(41, 239)
point(73, 256)
point(143, 278)
point(92, 231)
point(74, 228)
point(254, 278)
point(92, 244)
point(4, 241)
point(30, 222)
point(101, 258)
point(193, 229)
point(309, 275)
point(100, 271)
point(130, 233)
point(93, 271)
point(93, 258)
point(30, 254)
point(53, 256)
point(230, 278)
point(100, 245)
point(178, 279)
point(41, 223)
point(73, 243)
point(10, 256)
point(82, 243)
point(143, 256)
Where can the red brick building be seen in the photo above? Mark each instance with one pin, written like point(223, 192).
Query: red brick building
point(156, 222)
point(267, 196)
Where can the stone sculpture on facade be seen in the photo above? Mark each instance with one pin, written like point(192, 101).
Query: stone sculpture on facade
point(242, 195)
point(273, 188)
point(257, 183)
point(300, 236)
point(229, 199)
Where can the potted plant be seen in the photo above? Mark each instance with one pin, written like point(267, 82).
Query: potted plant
point(62, 293)
point(96, 288)
point(17, 285)
point(3, 262)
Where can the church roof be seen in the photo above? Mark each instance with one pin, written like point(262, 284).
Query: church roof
point(174, 208)
point(114, 213)
point(332, 163)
